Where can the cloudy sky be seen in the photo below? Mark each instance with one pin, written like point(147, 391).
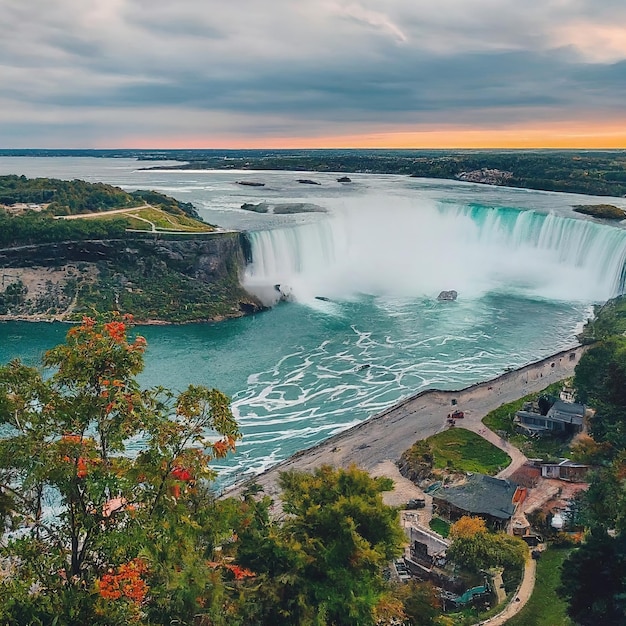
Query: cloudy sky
point(312, 73)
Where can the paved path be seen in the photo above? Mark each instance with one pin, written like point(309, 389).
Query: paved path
point(387, 435)
point(518, 601)
point(100, 214)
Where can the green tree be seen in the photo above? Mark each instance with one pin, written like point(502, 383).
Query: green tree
point(324, 563)
point(600, 381)
point(594, 580)
point(420, 602)
point(474, 548)
point(98, 534)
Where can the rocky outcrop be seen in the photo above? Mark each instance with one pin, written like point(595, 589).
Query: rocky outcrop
point(283, 208)
point(173, 278)
point(602, 211)
point(447, 295)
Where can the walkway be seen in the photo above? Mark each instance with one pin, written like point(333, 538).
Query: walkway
point(384, 437)
point(518, 601)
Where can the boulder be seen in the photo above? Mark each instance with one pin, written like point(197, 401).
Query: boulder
point(447, 295)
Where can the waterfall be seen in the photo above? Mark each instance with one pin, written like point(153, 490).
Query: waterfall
point(396, 248)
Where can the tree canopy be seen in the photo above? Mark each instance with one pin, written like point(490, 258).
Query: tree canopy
point(323, 564)
point(97, 533)
point(109, 516)
point(474, 548)
point(594, 576)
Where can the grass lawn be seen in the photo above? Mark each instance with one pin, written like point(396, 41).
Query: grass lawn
point(440, 526)
point(161, 220)
point(462, 450)
point(545, 608)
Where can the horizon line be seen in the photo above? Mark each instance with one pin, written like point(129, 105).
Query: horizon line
point(318, 148)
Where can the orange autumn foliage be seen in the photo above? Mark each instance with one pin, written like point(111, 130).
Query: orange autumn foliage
point(237, 571)
point(116, 330)
point(125, 582)
point(468, 527)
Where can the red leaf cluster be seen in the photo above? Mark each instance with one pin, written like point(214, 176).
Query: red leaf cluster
point(116, 330)
point(125, 582)
point(238, 572)
point(182, 473)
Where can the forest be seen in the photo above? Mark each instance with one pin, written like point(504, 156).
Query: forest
point(595, 172)
point(64, 197)
point(594, 576)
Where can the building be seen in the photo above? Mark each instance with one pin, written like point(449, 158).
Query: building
point(561, 418)
point(565, 470)
point(483, 496)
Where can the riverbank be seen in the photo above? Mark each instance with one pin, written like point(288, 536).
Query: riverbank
point(157, 280)
point(378, 442)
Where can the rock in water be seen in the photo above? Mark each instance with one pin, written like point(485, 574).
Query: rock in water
point(447, 295)
point(344, 179)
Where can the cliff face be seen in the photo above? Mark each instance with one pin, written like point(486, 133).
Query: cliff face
point(174, 278)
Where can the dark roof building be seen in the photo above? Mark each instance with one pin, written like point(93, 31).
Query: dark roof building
point(561, 417)
point(482, 496)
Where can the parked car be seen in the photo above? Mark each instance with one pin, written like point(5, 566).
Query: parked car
point(416, 503)
point(456, 415)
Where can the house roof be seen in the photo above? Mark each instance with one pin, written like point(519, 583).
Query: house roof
point(569, 412)
point(481, 494)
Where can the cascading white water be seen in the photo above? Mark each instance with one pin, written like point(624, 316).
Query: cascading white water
point(400, 249)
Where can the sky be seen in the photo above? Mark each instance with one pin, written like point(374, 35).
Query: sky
point(312, 73)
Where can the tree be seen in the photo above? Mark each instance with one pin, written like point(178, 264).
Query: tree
point(323, 565)
point(420, 601)
point(100, 533)
point(475, 548)
point(586, 450)
point(468, 527)
point(593, 580)
point(600, 381)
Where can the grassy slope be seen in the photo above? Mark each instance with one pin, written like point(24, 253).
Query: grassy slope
point(465, 451)
point(161, 219)
point(545, 608)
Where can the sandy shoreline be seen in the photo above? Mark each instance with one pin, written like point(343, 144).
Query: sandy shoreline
point(378, 442)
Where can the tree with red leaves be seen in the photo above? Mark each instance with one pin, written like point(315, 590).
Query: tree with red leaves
point(97, 536)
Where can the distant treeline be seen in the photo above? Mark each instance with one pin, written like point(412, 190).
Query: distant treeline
point(586, 172)
point(583, 171)
point(77, 196)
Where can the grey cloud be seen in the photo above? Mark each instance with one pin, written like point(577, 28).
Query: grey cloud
point(365, 63)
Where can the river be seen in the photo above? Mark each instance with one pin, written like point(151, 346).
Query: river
point(526, 267)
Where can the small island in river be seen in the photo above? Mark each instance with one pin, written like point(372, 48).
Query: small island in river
point(602, 211)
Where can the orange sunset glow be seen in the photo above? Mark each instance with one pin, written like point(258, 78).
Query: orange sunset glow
point(573, 135)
